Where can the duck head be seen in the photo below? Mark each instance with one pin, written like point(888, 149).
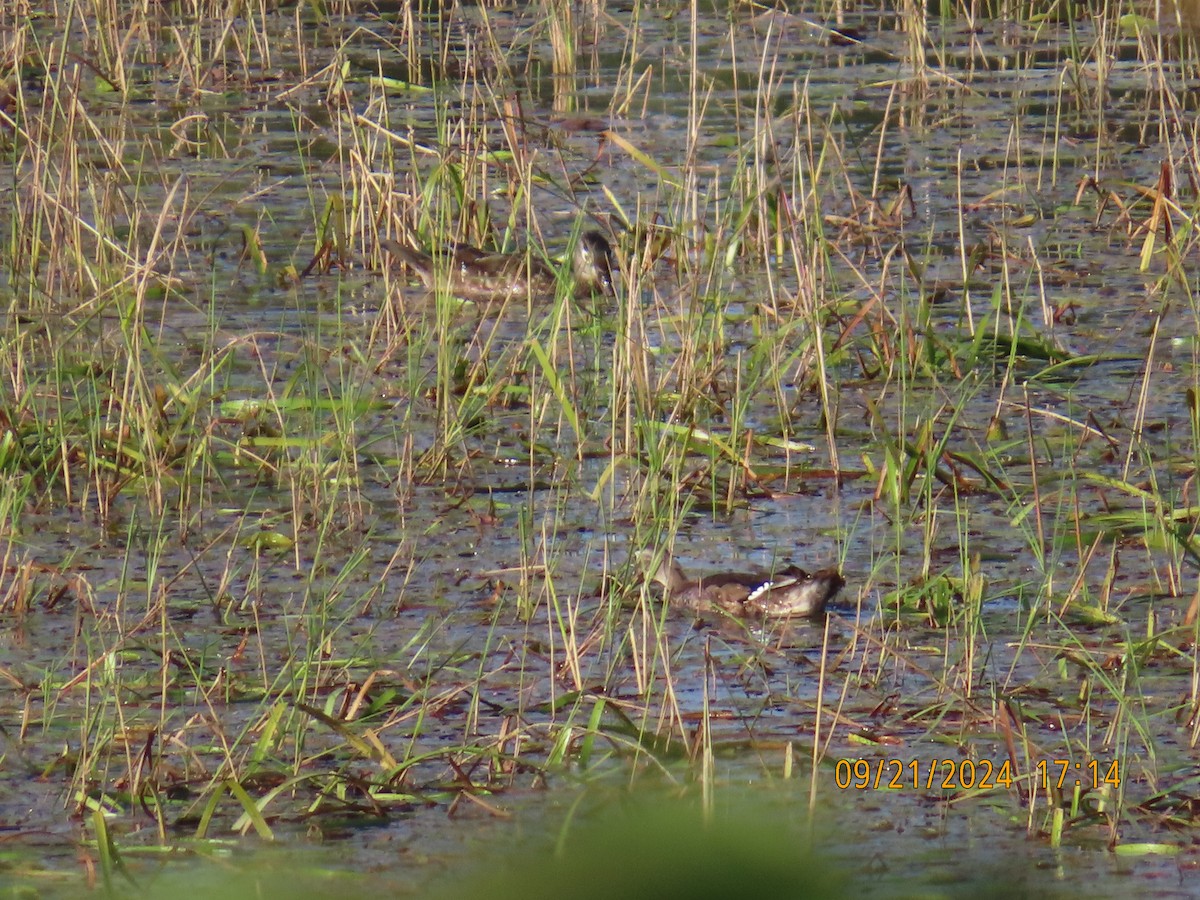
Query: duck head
point(592, 263)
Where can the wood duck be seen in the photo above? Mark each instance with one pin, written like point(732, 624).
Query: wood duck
point(791, 592)
point(475, 274)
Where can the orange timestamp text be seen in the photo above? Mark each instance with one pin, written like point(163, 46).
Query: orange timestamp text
point(891, 774)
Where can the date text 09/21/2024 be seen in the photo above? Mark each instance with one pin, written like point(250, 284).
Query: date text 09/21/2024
point(965, 774)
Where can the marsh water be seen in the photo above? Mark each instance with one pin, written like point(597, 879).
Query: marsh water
point(392, 599)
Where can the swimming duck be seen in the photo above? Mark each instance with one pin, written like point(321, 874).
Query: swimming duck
point(791, 592)
point(475, 274)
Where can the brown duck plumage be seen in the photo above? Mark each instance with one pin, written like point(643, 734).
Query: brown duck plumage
point(474, 274)
point(790, 592)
